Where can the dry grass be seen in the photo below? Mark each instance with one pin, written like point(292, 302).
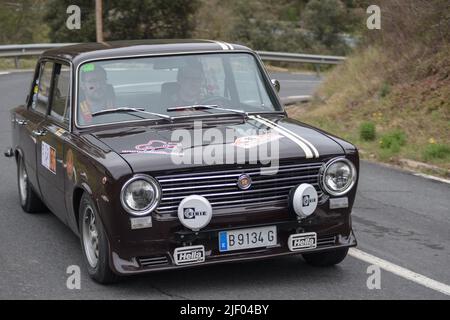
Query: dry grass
point(24, 63)
point(417, 103)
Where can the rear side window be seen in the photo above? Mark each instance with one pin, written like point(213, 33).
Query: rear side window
point(59, 109)
point(41, 90)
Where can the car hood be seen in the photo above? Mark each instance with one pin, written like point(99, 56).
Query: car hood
point(168, 147)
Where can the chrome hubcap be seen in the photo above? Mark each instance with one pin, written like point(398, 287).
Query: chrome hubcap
point(23, 181)
point(90, 236)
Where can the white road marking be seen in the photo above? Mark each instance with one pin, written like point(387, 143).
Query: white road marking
point(400, 271)
point(427, 176)
point(4, 72)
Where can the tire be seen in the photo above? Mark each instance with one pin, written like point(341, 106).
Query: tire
point(94, 243)
point(325, 258)
point(29, 199)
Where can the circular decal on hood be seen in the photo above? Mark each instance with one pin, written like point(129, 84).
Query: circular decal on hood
point(195, 212)
point(303, 199)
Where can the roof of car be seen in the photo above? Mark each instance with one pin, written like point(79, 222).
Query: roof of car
point(98, 50)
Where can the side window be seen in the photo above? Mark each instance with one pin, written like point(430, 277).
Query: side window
point(59, 108)
point(41, 90)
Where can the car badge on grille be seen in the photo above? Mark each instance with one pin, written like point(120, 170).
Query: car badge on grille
point(244, 181)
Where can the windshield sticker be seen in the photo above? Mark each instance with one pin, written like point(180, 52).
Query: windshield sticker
point(157, 147)
point(252, 141)
point(48, 157)
point(89, 67)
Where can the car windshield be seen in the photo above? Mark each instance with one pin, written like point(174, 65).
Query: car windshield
point(158, 85)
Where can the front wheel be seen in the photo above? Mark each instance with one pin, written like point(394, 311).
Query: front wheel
point(94, 243)
point(325, 258)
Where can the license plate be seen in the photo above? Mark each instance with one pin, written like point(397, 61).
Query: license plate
point(189, 255)
point(302, 241)
point(247, 238)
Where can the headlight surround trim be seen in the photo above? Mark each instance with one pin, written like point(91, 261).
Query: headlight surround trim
point(323, 175)
point(153, 204)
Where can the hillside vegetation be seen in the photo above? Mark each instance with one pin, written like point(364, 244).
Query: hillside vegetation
point(392, 96)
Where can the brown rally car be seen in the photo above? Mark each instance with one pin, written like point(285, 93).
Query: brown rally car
point(165, 154)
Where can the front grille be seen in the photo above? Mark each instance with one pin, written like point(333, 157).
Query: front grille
point(153, 261)
point(221, 190)
point(326, 241)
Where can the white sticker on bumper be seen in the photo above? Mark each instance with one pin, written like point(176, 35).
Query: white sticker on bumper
point(302, 241)
point(189, 255)
point(338, 203)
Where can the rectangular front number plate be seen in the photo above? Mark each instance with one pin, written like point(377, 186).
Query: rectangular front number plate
point(247, 238)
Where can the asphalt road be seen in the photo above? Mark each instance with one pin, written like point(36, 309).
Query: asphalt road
point(398, 217)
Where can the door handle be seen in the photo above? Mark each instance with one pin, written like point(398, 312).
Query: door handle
point(21, 122)
point(39, 132)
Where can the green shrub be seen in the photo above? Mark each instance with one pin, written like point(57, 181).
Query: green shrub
point(436, 151)
point(393, 141)
point(385, 89)
point(367, 131)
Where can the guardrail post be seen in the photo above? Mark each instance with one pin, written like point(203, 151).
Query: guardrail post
point(317, 66)
point(16, 62)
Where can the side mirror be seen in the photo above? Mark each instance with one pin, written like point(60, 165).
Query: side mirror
point(276, 84)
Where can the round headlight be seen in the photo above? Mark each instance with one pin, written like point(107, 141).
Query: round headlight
point(338, 177)
point(140, 195)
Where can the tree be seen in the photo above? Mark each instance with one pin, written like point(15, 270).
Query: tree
point(21, 21)
point(268, 25)
point(139, 19)
point(326, 20)
point(56, 17)
point(124, 20)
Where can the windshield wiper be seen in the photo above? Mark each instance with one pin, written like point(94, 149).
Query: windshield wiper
point(126, 109)
point(206, 107)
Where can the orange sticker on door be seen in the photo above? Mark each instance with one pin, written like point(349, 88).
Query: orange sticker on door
point(48, 157)
point(69, 164)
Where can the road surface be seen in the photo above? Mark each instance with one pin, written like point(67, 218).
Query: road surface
point(398, 217)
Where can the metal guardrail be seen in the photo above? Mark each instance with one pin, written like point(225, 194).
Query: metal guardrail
point(17, 50)
point(300, 57)
point(20, 50)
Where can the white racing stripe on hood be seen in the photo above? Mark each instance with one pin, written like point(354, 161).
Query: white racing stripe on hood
point(223, 45)
point(316, 152)
point(229, 45)
point(286, 134)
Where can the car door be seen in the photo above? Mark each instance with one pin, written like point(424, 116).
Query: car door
point(29, 120)
point(51, 136)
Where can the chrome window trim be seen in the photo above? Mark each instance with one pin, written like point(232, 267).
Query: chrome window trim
point(67, 62)
point(41, 61)
point(62, 123)
point(215, 51)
